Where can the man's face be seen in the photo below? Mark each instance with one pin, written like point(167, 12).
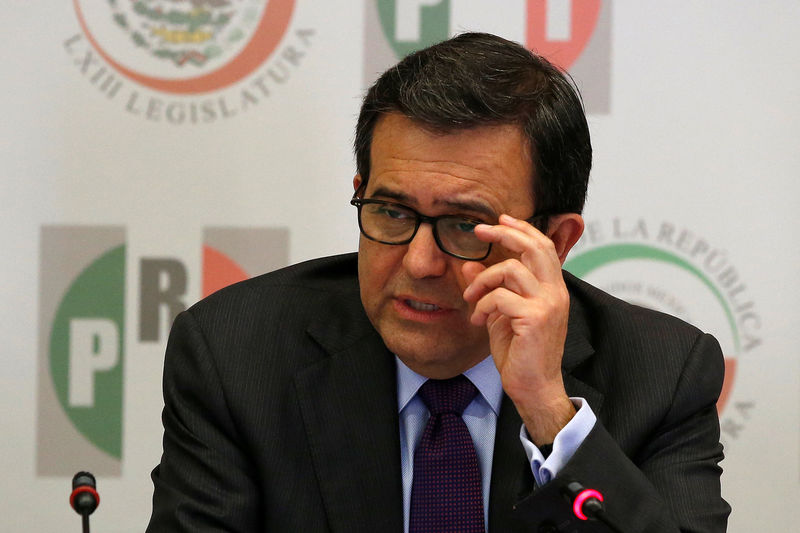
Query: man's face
point(412, 292)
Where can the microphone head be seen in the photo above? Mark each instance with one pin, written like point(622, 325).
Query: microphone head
point(586, 503)
point(83, 479)
point(84, 498)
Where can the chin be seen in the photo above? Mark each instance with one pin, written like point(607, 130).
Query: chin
point(434, 357)
point(410, 348)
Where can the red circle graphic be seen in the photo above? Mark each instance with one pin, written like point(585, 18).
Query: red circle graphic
point(584, 16)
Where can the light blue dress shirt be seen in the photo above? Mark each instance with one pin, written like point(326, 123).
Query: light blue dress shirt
point(480, 417)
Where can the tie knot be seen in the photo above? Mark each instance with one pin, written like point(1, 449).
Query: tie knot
point(447, 395)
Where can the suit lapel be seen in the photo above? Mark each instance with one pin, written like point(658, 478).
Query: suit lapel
point(577, 349)
point(349, 409)
point(511, 473)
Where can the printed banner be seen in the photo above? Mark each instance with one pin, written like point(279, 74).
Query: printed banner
point(573, 34)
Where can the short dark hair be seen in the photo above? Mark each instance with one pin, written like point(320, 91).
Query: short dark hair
point(478, 79)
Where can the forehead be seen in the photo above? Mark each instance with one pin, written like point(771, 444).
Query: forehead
point(487, 165)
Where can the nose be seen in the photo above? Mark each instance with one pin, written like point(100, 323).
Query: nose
point(424, 258)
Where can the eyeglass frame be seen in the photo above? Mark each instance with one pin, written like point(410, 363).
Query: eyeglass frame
point(419, 218)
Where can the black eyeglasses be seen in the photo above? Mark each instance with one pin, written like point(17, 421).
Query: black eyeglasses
point(391, 223)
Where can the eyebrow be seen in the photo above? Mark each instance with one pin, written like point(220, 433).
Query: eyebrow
point(458, 205)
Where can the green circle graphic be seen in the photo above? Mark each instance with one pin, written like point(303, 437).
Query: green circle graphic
point(434, 25)
point(97, 292)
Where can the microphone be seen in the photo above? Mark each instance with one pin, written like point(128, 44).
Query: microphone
point(587, 504)
point(84, 498)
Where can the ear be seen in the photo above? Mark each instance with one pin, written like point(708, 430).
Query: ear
point(356, 182)
point(565, 230)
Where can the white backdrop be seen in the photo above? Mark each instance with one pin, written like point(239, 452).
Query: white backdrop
point(695, 135)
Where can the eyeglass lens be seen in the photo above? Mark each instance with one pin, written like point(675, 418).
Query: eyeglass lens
point(395, 224)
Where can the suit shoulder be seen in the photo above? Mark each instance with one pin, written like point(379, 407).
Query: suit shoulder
point(635, 334)
point(642, 357)
point(326, 274)
point(599, 307)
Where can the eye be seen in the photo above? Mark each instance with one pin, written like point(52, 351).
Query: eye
point(393, 212)
point(465, 225)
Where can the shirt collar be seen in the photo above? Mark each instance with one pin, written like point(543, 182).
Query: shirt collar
point(484, 376)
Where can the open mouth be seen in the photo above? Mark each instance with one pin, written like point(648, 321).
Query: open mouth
point(421, 306)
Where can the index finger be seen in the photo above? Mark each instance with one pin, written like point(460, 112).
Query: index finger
point(536, 251)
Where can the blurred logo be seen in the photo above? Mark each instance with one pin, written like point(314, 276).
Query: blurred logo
point(185, 33)
point(671, 269)
point(81, 349)
point(572, 34)
point(189, 48)
point(82, 316)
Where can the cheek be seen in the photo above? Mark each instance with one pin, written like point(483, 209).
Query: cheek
point(376, 265)
point(461, 279)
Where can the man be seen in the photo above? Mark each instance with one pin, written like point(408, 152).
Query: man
point(299, 401)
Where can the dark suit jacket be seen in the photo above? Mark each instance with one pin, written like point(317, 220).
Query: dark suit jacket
point(281, 415)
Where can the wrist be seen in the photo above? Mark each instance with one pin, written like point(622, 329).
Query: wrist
point(544, 421)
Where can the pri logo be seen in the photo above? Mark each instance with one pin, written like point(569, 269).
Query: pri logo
point(672, 270)
point(82, 319)
point(185, 48)
point(573, 34)
point(81, 332)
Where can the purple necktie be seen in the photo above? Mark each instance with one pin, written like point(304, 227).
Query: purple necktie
point(446, 492)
